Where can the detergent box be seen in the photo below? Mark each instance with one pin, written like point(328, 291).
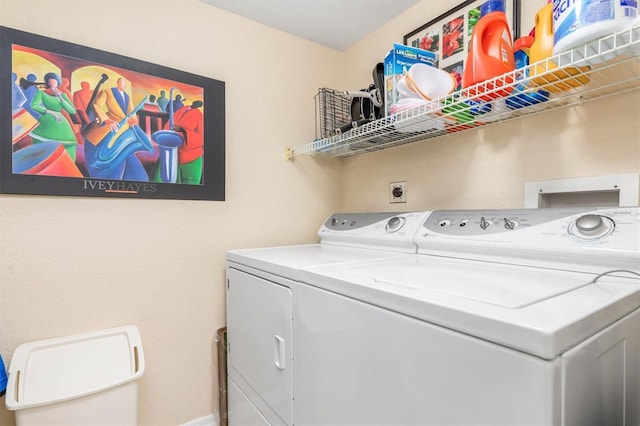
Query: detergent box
point(397, 63)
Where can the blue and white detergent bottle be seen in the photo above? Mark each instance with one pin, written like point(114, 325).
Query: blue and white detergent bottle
point(523, 96)
point(576, 22)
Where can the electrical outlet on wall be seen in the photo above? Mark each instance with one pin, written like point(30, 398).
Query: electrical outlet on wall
point(398, 192)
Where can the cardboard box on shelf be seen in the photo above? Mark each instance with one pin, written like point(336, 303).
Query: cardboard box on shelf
point(397, 63)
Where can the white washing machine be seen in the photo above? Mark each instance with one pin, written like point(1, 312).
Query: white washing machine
point(513, 317)
point(501, 318)
point(261, 299)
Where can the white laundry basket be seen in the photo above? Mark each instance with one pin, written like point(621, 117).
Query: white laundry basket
point(85, 379)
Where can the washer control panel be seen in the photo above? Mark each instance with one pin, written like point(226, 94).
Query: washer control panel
point(584, 224)
point(483, 222)
point(585, 235)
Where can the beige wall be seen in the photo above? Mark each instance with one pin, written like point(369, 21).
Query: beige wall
point(488, 168)
point(70, 265)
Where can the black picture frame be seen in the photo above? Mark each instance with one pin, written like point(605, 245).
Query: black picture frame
point(20, 173)
point(430, 36)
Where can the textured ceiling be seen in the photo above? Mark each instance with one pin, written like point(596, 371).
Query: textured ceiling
point(333, 23)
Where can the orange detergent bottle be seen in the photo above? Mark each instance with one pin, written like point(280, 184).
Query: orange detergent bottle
point(546, 73)
point(490, 54)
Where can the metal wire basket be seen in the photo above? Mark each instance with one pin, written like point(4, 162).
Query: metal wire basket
point(333, 112)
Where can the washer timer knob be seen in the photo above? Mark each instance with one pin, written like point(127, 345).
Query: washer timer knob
point(589, 223)
point(592, 226)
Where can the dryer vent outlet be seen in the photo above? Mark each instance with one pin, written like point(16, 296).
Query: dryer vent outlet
point(398, 192)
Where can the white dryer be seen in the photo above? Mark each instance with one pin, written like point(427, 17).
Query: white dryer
point(261, 305)
point(504, 317)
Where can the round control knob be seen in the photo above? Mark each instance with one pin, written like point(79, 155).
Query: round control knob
point(589, 223)
point(592, 226)
point(394, 224)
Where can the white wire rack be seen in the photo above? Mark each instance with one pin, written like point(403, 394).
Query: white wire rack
point(333, 112)
point(603, 67)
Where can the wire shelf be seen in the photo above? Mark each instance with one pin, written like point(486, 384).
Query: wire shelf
point(603, 67)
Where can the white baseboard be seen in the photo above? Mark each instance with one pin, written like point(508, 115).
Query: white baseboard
point(210, 420)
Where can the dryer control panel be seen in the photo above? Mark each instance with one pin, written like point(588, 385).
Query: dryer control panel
point(385, 231)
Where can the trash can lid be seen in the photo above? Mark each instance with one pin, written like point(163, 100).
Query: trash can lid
point(53, 370)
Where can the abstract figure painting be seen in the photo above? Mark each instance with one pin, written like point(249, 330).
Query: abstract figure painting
point(92, 123)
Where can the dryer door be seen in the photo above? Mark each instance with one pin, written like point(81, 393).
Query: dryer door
point(259, 337)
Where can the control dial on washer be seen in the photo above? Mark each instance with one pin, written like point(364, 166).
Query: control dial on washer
point(510, 224)
point(592, 226)
point(485, 223)
point(395, 224)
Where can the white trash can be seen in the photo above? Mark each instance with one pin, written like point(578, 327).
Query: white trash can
point(85, 379)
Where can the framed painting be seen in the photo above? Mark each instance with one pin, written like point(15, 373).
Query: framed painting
point(85, 122)
point(449, 34)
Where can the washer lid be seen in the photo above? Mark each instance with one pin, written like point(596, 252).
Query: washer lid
point(539, 311)
point(504, 286)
